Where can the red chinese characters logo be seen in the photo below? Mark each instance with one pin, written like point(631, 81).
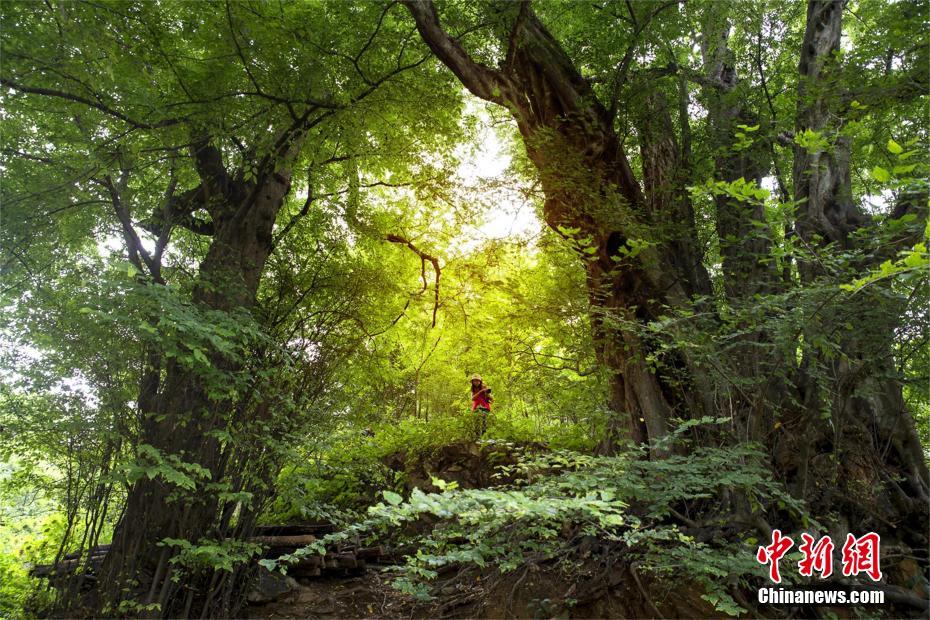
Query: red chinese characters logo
point(773, 553)
point(859, 555)
point(817, 557)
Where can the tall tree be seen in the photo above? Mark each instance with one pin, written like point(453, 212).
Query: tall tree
point(867, 407)
point(632, 219)
point(181, 123)
point(592, 194)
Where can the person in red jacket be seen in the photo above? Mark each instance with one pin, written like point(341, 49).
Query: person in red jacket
point(481, 400)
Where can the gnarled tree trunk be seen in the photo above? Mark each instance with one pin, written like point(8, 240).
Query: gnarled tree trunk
point(179, 415)
point(593, 198)
point(877, 476)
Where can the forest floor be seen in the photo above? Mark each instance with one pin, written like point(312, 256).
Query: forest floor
point(533, 590)
point(369, 595)
point(537, 592)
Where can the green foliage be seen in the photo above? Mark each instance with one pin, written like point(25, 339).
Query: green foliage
point(626, 500)
point(812, 141)
point(106, 107)
point(341, 476)
point(223, 555)
point(743, 137)
point(30, 532)
point(740, 190)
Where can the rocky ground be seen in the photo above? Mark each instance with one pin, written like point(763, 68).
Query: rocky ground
point(369, 595)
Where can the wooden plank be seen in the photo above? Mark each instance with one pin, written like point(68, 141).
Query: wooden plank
point(299, 540)
point(369, 553)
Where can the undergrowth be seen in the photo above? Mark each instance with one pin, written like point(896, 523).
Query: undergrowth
point(631, 503)
point(338, 478)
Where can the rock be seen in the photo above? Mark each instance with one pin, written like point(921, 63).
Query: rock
point(269, 586)
point(307, 596)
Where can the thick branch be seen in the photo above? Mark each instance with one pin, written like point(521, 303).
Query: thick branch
point(480, 79)
point(210, 168)
point(515, 35)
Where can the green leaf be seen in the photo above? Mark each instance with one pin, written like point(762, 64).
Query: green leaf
point(916, 259)
point(199, 356)
point(880, 174)
point(392, 498)
point(894, 147)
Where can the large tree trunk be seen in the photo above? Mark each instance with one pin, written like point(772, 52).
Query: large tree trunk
point(867, 442)
point(854, 410)
point(744, 236)
point(180, 416)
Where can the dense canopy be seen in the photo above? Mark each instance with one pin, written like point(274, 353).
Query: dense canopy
point(252, 253)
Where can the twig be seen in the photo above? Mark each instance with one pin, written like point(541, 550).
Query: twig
point(642, 591)
point(424, 257)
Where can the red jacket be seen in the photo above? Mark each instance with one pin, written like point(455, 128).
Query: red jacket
point(481, 399)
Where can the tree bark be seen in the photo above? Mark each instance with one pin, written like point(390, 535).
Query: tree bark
point(743, 234)
point(867, 430)
point(745, 240)
point(179, 412)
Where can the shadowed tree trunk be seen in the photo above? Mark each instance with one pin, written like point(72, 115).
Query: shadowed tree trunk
point(180, 416)
point(743, 233)
point(868, 428)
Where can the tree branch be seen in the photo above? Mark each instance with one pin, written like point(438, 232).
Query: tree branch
point(48, 92)
point(625, 62)
point(515, 34)
point(424, 257)
point(481, 80)
point(133, 243)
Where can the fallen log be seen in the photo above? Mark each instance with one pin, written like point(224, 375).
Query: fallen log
point(300, 540)
point(278, 539)
point(370, 553)
point(93, 551)
point(317, 529)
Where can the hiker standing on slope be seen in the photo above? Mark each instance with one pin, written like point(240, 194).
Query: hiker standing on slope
point(481, 400)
